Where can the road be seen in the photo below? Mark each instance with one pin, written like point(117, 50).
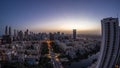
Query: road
point(54, 58)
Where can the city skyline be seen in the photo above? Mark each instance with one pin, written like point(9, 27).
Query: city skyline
point(53, 16)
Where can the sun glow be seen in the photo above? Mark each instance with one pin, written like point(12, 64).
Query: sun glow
point(66, 24)
point(81, 25)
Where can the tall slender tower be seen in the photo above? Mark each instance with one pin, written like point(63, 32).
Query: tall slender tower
point(14, 32)
point(74, 33)
point(110, 43)
point(14, 36)
point(6, 30)
point(26, 34)
point(10, 31)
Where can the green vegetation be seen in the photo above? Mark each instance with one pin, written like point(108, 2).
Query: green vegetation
point(44, 48)
point(45, 63)
point(56, 48)
point(12, 65)
point(62, 56)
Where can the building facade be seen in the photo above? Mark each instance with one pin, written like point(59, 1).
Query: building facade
point(118, 60)
point(74, 33)
point(6, 38)
point(110, 43)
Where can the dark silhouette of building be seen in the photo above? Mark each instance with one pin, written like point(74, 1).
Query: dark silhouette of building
point(26, 35)
point(51, 36)
point(10, 31)
point(0, 40)
point(6, 30)
point(14, 36)
point(6, 38)
point(118, 60)
point(74, 33)
point(20, 36)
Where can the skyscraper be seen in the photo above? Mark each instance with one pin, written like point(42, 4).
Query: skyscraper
point(6, 30)
point(6, 39)
point(20, 36)
point(110, 43)
point(26, 34)
point(74, 33)
point(118, 60)
point(10, 31)
point(15, 33)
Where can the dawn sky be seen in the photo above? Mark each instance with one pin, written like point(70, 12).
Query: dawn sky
point(57, 15)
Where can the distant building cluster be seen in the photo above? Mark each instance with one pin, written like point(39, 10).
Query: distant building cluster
point(27, 51)
point(6, 38)
point(71, 46)
point(26, 46)
point(19, 35)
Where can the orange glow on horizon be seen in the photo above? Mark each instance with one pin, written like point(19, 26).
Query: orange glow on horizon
point(66, 25)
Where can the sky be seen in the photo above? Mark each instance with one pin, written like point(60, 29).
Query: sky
point(57, 15)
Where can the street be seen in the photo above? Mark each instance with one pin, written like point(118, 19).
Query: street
point(54, 58)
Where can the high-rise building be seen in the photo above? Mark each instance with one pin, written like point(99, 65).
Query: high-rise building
point(117, 65)
point(10, 31)
point(74, 33)
point(6, 30)
point(15, 33)
point(26, 34)
point(118, 60)
point(20, 36)
point(6, 39)
point(110, 43)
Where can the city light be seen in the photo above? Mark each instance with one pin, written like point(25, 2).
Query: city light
point(59, 34)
